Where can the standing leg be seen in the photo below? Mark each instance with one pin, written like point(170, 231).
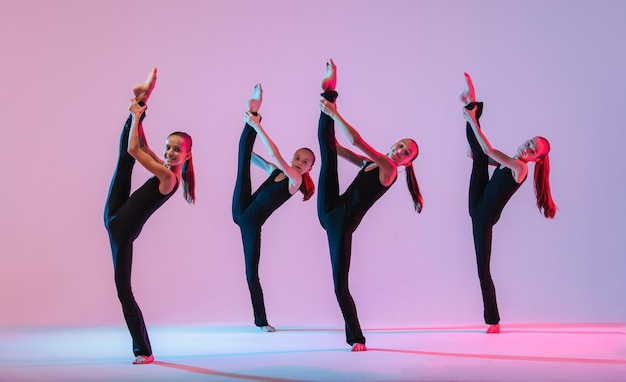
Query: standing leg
point(482, 244)
point(340, 243)
point(251, 236)
point(122, 262)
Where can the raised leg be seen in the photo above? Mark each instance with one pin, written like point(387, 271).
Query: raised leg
point(480, 167)
point(243, 186)
point(328, 183)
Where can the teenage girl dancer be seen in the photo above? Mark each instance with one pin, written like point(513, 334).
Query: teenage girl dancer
point(126, 213)
point(340, 214)
point(251, 210)
point(487, 197)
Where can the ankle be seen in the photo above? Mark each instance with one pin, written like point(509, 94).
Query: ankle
point(330, 95)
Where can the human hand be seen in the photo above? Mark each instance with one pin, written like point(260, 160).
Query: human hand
point(251, 119)
point(327, 107)
point(470, 115)
point(135, 108)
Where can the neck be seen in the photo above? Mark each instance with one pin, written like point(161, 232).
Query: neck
point(175, 169)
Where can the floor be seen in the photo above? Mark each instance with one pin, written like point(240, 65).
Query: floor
point(528, 352)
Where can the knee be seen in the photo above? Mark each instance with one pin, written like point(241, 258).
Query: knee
point(341, 288)
point(484, 273)
point(116, 234)
point(125, 294)
point(252, 278)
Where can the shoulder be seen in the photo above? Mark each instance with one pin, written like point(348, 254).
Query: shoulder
point(519, 171)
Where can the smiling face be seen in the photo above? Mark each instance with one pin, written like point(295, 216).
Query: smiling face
point(403, 152)
point(303, 160)
point(177, 150)
point(533, 149)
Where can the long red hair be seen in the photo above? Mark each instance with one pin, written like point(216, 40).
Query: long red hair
point(411, 182)
point(542, 183)
point(414, 189)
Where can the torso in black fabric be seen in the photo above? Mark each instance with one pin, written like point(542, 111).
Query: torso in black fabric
point(266, 199)
point(362, 193)
point(140, 206)
point(499, 190)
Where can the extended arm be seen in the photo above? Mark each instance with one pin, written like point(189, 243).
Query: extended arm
point(351, 156)
point(387, 167)
point(143, 142)
point(470, 155)
point(167, 179)
point(272, 149)
point(518, 167)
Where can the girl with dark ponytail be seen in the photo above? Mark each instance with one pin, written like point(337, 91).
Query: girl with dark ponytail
point(250, 210)
point(126, 213)
point(488, 196)
point(341, 214)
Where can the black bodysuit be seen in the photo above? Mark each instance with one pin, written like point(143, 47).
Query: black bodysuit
point(124, 217)
point(340, 216)
point(250, 211)
point(487, 198)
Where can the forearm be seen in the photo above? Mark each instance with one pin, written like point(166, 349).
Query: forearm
point(258, 161)
point(350, 132)
point(270, 146)
point(134, 141)
point(484, 143)
point(350, 156)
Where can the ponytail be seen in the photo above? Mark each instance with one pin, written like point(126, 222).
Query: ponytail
point(189, 181)
point(187, 173)
point(307, 187)
point(542, 187)
point(414, 189)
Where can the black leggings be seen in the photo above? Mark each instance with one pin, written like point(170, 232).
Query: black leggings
point(338, 223)
point(250, 229)
point(482, 225)
point(123, 230)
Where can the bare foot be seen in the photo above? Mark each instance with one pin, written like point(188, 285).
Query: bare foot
point(330, 79)
point(469, 95)
point(254, 103)
point(493, 329)
point(267, 328)
point(143, 90)
point(358, 347)
point(143, 359)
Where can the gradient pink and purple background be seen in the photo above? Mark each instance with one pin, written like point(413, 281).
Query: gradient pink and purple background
point(551, 68)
